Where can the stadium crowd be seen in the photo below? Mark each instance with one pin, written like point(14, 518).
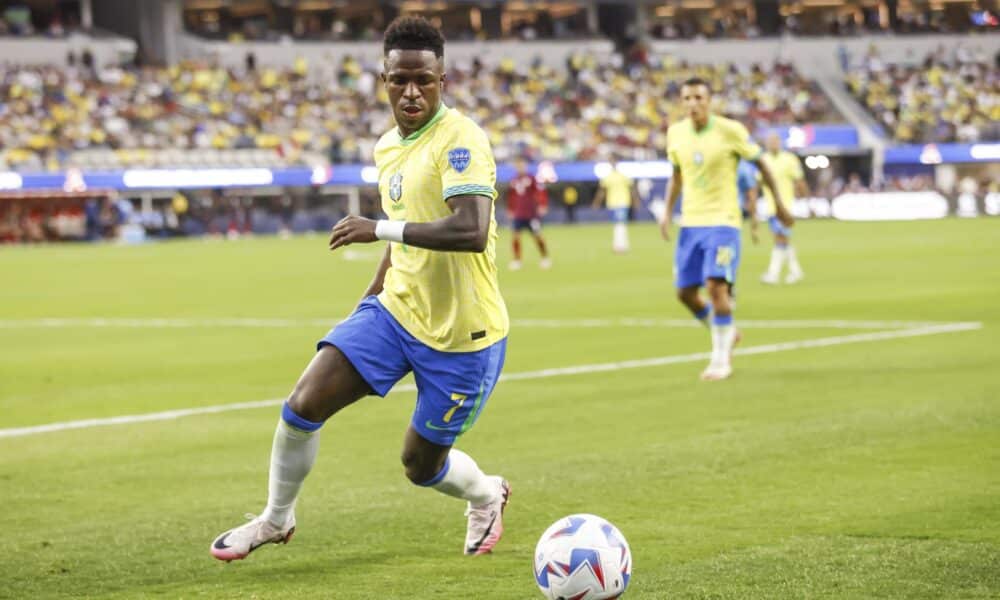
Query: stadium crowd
point(952, 96)
point(54, 117)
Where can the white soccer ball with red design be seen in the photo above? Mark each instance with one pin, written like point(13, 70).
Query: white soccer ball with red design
point(582, 557)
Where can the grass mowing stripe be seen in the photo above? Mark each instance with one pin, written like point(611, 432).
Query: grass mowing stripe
point(540, 374)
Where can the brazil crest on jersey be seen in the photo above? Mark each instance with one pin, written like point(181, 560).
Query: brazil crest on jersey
point(707, 160)
point(448, 300)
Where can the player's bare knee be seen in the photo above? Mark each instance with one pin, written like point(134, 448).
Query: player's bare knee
point(418, 468)
point(305, 403)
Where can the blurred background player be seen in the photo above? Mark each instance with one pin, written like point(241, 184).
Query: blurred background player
point(527, 203)
point(788, 175)
point(617, 191)
point(705, 150)
point(746, 186)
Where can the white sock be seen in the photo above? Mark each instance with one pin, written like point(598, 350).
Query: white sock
point(794, 267)
point(464, 480)
point(292, 457)
point(619, 240)
point(723, 337)
point(778, 256)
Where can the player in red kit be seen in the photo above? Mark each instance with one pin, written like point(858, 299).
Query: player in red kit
point(527, 203)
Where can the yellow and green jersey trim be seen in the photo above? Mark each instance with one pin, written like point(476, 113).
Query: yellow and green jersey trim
point(468, 189)
point(406, 141)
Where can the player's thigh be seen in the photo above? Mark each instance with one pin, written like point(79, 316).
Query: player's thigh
point(688, 259)
point(453, 389)
point(362, 354)
point(721, 253)
point(329, 383)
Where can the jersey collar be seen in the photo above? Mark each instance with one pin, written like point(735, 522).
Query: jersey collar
point(708, 125)
point(416, 134)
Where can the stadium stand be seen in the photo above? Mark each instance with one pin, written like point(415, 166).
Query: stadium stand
point(195, 114)
point(952, 96)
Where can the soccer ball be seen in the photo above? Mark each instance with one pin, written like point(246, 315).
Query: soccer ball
point(582, 557)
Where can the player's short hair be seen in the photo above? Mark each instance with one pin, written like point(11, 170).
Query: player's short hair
point(693, 81)
point(413, 33)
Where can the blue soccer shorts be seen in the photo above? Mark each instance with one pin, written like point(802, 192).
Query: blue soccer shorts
point(452, 387)
point(706, 253)
point(532, 225)
point(619, 215)
point(778, 228)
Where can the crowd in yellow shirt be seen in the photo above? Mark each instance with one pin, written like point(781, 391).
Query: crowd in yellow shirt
point(950, 97)
point(335, 111)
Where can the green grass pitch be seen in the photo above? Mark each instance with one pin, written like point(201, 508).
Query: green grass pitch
point(868, 469)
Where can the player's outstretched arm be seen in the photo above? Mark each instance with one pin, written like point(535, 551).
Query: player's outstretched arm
point(752, 199)
point(375, 287)
point(779, 205)
point(598, 197)
point(465, 230)
point(676, 184)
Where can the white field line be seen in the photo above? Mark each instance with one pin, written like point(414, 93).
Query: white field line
point(250, 322)
point(525, 375)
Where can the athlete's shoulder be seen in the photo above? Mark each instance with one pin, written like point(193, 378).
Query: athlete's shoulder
point(732, 126)
point(456, 124)
point(389, 139)
point(678, 127)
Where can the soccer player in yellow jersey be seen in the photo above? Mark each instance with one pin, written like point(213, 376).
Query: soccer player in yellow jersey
point(705, 150)
point(433, 307)
point(617, 191)
point(787, 172)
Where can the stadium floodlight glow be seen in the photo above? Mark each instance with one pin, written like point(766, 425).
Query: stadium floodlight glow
point(11, 181)
point(985, 151)
point(638, 169)
point(369, 174)
point(196, 178)
point(817, 162)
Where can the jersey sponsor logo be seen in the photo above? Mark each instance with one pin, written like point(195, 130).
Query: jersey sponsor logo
point(396, 187)
point(459, 158)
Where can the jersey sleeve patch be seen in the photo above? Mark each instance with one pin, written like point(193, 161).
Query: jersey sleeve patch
point(459, 159)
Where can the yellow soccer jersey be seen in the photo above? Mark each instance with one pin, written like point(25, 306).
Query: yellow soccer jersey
point(707, 160)
point(448, 300)
point(786, 169)
point(617, 190)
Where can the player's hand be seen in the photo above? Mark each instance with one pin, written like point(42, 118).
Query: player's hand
point(352, 230)
point(665, 225)
point(753, 234)
point(542, 211)
point(786, 218)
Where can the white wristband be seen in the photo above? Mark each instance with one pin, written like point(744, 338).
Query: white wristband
point(390, 231)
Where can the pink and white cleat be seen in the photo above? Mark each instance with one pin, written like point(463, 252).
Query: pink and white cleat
point(486, 522)
point(238, 543)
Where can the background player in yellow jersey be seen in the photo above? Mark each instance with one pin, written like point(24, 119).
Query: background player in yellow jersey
point(617, 191)
point(705, 150)
point(433, 307)
point(787, 171)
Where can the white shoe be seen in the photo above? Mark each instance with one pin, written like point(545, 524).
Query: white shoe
point(486, 522)
point(545, 263)
point(769, 279)
point(714, 372)
point(515, 265)
point(237, 543)
point(794, 277)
